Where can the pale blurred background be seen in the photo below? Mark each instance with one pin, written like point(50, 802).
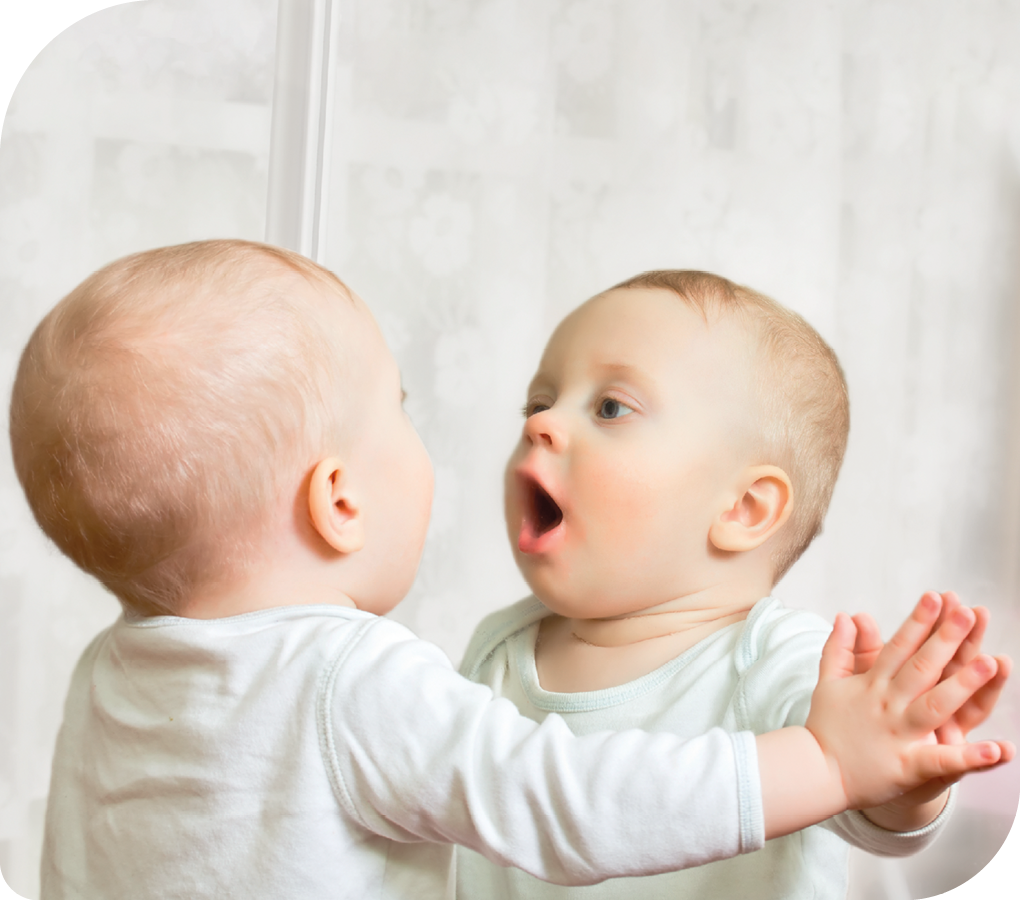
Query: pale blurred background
point(493, 163)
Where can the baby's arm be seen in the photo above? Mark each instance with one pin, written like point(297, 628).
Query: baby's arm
point(869, 738)
point(417, 753)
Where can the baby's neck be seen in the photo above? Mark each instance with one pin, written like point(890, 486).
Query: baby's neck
point(685, 616)
point(292, 570)
point(284, 579)
point(593, 654)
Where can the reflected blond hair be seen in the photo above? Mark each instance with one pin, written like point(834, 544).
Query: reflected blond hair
point(800, 389)
point(162, 406)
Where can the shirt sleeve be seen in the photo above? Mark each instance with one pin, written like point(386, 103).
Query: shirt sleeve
point(776, 691)
point(416, 752)
point(857, 829)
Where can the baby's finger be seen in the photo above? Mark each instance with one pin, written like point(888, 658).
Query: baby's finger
point(950, 600)
point(976, 709)
point(909, 636)
point(951, 762)
point(925, 668)
point(838, 652)
point(868, 644)
point(971, 645)
point(933, 709)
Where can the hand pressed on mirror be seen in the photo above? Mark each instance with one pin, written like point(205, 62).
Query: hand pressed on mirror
point(920, 805)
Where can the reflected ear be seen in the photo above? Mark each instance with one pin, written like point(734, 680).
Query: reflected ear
point(760, 506)
point(333, 510)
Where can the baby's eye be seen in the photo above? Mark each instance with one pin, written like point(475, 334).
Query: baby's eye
point(612, 409)
point(534, 406)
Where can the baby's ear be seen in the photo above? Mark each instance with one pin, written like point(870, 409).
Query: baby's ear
point(333, 510)
point(757, 509)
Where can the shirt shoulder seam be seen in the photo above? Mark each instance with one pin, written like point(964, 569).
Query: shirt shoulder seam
point(324, 722)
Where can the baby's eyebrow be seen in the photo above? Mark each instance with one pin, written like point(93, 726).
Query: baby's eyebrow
point(539, 381)
point(631, 372)
point(636, 375)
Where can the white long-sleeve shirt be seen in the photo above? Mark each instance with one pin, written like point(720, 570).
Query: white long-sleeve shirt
point(307, 752)
point(755, 675)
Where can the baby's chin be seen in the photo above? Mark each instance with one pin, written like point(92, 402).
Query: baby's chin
point(568, 600)
point(545, 588)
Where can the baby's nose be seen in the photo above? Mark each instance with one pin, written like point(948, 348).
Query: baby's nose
point(544, 428)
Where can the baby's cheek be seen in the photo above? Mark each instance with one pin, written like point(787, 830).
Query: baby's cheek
point(628, 506)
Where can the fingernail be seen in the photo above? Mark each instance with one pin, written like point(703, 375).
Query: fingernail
point(961, 616)
point(929, 603)
point(984, 666)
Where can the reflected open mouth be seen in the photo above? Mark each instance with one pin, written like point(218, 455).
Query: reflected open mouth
point(544, 512)
point(542, 525)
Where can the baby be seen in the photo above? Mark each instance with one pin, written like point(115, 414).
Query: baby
point(682, 439)
point(215, 432)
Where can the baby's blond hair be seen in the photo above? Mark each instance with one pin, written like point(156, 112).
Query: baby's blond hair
point(800, 389)
point(160, 407)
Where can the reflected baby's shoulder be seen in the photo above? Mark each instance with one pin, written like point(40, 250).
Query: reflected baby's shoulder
point(498, 627)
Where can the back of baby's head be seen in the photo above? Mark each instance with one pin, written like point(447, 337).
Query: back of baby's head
point(800, 392)
point(160, 407)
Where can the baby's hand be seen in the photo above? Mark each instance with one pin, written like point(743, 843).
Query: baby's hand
point(980, 705)
point(869, 643)
point(877, 729)
point(919, 806)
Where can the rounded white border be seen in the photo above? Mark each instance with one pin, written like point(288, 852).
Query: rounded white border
point(999, 878)
point(6, 893)
point(27, 27)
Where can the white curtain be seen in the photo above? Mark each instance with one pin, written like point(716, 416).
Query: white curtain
point(494, 162)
